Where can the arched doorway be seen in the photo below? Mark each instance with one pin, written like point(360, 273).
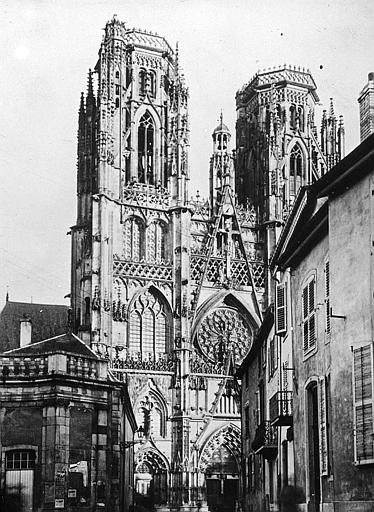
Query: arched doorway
point(151, 473)
point(219, 462)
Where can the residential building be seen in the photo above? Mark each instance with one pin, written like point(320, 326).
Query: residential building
point(322, 409)
point(327, 248)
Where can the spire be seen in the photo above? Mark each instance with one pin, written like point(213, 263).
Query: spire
point(221, 164)
point(332, 113)
point(90, 86)
point(177, 60)
point(82, 112)
point(90, 97)
point(7, 294)
point(81, 105)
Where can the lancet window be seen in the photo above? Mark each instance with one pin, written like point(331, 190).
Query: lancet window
point(156, 234)
point(132, 242)
point(149, 329)
point(142, 81)
point(152, 83)
point(146, 133)
point(300, 117)
point(293, 116)
point(296, 169)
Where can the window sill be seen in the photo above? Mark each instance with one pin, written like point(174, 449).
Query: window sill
point(307, 355)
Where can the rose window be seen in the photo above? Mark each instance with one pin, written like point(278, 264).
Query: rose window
point(224, 331)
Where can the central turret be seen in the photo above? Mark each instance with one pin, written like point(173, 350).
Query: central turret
point(221, 165)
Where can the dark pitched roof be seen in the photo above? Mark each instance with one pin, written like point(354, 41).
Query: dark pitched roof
point(47, 320)
point(67, 342)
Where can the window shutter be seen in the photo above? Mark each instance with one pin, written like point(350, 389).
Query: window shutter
point(305, 318)
point(281, 310)
point(309, 315)
point(327, 298)
point(363, 403)
point(312, 313)
point(323, 434)
point(258, 412)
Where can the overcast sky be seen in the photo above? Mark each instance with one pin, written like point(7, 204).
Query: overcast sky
point(46, 50)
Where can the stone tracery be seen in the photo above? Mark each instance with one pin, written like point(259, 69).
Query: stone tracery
point(222, 332)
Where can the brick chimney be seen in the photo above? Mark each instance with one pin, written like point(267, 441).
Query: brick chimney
point(25, 332)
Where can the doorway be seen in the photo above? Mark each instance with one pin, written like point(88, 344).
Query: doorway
point(314, 472)
point(222, 481)
point(19, 480)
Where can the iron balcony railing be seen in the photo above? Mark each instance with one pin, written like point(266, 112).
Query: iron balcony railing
point(266, 440)
point(281, 409)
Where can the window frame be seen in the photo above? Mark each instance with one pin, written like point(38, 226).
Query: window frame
point(281, 307)
point(309, 316)
point(327, 283)
point(362, 401)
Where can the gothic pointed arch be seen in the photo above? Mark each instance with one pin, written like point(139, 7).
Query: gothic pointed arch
point(296, 169)
point(146, 149)
point(156, 241)
point(133, 238)
point(149, 461)
point(147, 169)
point(153, 458)
point(221, 452)
point(149, 324)
point(151, 413)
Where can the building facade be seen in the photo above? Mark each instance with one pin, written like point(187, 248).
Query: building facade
point(329, 233)
point(166, 287)
point(170, 289)
point(66, 430)
point(309, 375)
point(278, 153)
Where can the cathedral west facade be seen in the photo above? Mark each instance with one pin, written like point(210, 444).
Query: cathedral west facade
point(172, 290)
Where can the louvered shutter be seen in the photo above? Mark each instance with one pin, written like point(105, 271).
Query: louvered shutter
point(281, 310)
point(309, 315)
point(327, 298)
point(323, 433)
point(363, 403)
point(312, 313)
point(305, 319)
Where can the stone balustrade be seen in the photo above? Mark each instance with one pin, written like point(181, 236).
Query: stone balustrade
point(16, 367)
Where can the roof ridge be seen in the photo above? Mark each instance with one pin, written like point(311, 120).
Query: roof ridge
point(36, 343)
point(85, 344)
point(36, 304)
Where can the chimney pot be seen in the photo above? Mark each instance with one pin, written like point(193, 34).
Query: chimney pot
point(25, 332)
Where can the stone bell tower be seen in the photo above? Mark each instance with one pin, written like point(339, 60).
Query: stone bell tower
point(131, 141)
point(278, 148)
point(168, 289)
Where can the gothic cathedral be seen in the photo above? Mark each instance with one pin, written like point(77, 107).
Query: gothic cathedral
point(172, 289)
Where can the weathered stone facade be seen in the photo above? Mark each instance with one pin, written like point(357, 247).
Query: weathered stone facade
point(278, 153)
point(66, 430)
point(323, 266)
point(170, 289)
